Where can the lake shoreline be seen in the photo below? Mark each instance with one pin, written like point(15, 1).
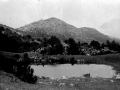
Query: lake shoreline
point(68, 70)
point(108, 59)
point(13, 83)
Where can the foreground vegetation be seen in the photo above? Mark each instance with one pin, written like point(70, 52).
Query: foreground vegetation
point(10, 82)
point(18, 65)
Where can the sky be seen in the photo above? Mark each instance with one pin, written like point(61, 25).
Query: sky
point(80, 13)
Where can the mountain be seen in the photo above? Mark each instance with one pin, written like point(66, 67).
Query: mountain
point(62, 30)
point(53, 26)
point(112, 26)
point(95, 35)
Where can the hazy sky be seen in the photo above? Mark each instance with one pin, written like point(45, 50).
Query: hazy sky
point(80, 13)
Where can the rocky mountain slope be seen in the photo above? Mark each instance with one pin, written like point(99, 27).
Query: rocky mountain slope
point(59, 28)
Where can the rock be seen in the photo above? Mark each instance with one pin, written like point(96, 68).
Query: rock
point(111, 80)
point(64, 77)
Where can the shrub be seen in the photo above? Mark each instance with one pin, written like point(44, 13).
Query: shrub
point(72, 60)
point(20, 68)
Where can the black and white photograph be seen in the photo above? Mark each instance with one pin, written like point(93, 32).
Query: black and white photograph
point(59, 44)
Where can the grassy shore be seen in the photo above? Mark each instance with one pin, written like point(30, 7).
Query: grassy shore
point(108, 59)
point(10, 82)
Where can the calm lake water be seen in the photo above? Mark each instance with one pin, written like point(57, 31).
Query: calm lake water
point(73, 71)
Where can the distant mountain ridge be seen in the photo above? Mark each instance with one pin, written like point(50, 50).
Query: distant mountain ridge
point(112, 26)
point(62, 30)
point(94, 34)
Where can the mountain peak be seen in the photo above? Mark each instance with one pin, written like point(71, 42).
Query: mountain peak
point(54, 20)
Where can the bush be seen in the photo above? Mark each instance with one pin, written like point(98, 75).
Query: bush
point(72, 60)
point(27, 75)
point(20, 68)
point(62, 61)
point(24, 71)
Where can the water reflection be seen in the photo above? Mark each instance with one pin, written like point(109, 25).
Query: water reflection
point(73, 71)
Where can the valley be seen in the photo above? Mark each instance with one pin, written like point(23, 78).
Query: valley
point(53, 42)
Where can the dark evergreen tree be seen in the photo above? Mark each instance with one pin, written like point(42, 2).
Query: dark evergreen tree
point(72, 61)
point(73, 47)
point(95, 44)
point(113, 45)
point(55, 46)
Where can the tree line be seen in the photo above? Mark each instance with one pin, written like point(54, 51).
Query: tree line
point(12, 42)
point(54, 46)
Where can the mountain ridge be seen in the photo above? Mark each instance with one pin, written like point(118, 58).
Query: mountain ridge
point(63, 30)
point(112, 26)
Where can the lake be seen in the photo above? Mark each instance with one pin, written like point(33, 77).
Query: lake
point(68, 70)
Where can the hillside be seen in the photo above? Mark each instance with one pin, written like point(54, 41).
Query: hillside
point(12, 41)
point(6, 30)
point(95, 35)
point(9, 39)
point(59, 28)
